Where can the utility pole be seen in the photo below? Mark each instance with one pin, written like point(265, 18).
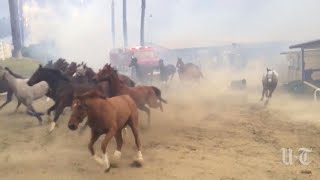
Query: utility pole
point(15, 28)
point(113, 25)
point(143, 7)
point(125, 31)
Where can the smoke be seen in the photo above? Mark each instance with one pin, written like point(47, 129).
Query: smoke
point(82, 32)
point(78, 31)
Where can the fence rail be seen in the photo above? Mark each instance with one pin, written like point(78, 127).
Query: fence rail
point(316, 89)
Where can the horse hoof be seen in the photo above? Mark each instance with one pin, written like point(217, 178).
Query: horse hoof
point(137, 163)
point(98, 160)
point(107, 170)
point(52, 126)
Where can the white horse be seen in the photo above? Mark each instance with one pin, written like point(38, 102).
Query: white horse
point(26, 94)
point(269, 83)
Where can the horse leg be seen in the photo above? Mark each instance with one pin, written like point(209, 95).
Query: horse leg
point(57, 114)
point(94, 137)
point(119, 141)
point(53, 107)
point(135, 130)
point(9, 99)
point(30, 108)
point(147, 110)
point(104, 146)
point(263, 92)
point(18, 105)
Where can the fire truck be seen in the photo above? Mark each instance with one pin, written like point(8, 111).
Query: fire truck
point(120, 58)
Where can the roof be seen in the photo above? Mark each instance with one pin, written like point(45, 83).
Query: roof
point(307, 45)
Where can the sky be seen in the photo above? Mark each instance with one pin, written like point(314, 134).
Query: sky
point(175, 23)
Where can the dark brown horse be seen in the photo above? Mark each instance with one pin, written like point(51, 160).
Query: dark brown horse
point(71, 69)
point(61, 90)
point(188, 71)
point(141, 73)
point(166, 71)
point(106, 116)
point(142, 95)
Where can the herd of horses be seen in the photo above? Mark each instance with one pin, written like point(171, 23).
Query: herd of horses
point(108, 100)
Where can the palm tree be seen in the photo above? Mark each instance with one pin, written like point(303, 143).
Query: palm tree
point(143, 7)
point(112, 25)
point(124, 16)
point(15, 28)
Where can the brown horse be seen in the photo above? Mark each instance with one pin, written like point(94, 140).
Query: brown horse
point(188, 71)
point(106, 116)
point(142, 95)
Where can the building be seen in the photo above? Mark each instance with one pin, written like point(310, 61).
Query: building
point(5, 50)
point(304, 64)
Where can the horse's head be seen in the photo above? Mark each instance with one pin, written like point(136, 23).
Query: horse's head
point(81, 70)
point(269, 75)
point(37, 76)
point(105, 73)
point(179, 63)
point(80, 108)
point(79, 112)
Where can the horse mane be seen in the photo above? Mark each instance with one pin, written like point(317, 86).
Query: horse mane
point(57, 73)
point(90, 94)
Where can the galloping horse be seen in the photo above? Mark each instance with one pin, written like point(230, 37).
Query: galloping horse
point(188, 71)
point(142, 95)
point(106, 116)
point(26, 94)
point(4, 86)
point(143, 75)
point(269, 83)
point(61, 90)
point(166, 72)
point(72, 68)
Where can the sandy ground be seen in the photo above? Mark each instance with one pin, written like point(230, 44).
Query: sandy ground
point(204, 133)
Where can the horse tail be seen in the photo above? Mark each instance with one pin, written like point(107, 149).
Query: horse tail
point(132, 83)
point(157, 91)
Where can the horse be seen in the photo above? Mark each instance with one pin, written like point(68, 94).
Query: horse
point(106, 116)
point(142, 95)
point(269, 84)
point(188, 71)
point(26, 94)
point(141, 74)
point(124, 79)
point(61, 90)
point(166, 71)
point(5, 88)
point(72, 68)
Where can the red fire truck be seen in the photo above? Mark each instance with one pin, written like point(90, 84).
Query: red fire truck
point(146, 56)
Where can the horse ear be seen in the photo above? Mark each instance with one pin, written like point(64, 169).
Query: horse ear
point(40, 66)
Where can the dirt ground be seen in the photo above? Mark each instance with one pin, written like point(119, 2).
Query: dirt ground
point(205, 132)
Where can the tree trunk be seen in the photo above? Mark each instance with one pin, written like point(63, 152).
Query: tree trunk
point(113, 25)
point(143, 7)
point(125, 33)
point(15, 28)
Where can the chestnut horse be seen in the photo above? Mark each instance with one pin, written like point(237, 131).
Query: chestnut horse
point(106, 116)
point(142, 95)
point(188, 71)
